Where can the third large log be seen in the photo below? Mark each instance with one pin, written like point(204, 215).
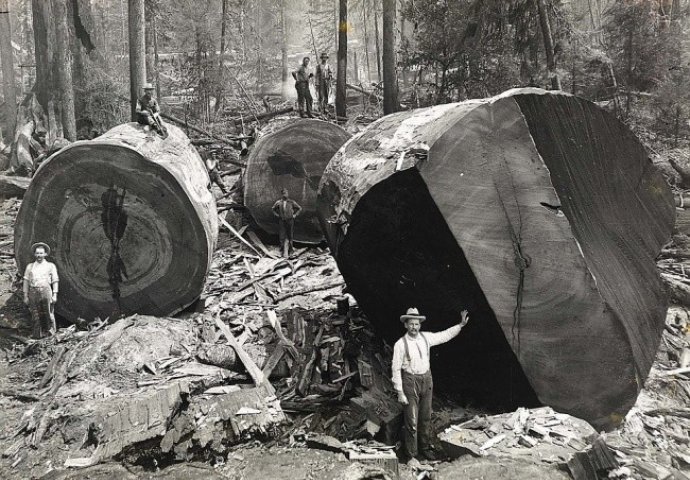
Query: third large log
point(541, 214)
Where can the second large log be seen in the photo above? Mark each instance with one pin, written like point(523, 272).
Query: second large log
point(541, 214)
point(130, 220)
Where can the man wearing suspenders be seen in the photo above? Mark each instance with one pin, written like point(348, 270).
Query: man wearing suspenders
point(412, 380)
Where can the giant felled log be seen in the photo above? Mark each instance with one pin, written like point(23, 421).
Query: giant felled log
point(293, 157)
point(541, 214)
point(130, 220)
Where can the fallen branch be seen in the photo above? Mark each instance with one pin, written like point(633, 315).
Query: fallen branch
point(237, 234)
point(316, 288)
point(253, 370)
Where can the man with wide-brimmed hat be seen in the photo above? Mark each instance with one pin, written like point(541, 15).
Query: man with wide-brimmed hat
point(40, 291)
point(413, 382)
point(323, 80)
point(148, 110)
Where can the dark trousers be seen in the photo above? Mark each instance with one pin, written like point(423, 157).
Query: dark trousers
point(41, 308)
point(324, 91)
point(304, 96)
point(285, 230)
point(418, 390)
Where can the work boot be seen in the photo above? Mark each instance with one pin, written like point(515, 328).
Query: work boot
point(414, 464)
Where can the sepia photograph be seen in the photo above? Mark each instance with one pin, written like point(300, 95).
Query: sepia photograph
point(345, 239)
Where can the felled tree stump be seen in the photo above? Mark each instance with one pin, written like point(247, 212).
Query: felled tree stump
point(293, 157)
point(537, 211)
point(130, 220)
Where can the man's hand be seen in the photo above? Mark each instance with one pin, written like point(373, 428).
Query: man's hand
point(464, 318)
point(402, 398)
point(54, 299)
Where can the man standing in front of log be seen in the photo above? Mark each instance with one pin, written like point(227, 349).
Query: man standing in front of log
point(286, 209)
point(413, 382)
point(40, 291)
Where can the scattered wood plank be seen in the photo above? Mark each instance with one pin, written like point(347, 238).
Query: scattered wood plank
point(253, 370)
point(315, 288)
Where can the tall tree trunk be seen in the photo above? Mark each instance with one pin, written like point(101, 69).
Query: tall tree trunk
point(378, 46)
point(340, 93)
point(137, 64)
point(366, 41)
point(43, 51)
point(401, 43)
point(221, 67)
point(63, 70)
point(283, 50)
point(9, 87)
point(156, 63)
point(548, 44)
point(390, 87)
point(148, 38)
point(78, 63)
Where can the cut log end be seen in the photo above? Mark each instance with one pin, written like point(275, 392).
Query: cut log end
point(293, 157)
point(539, 213)
point(130, 221)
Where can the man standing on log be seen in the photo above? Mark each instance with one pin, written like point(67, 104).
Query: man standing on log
point(413, 382)
point(286, 209)
point(40, 291)
point(302, 76)
point(323, 79)
point(148, 111)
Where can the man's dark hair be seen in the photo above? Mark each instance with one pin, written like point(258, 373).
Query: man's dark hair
point(305, 58)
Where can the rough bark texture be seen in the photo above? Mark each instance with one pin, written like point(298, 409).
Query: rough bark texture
point(390, 85)
point(63, 70)
point(130, 220)
point(9, 88)
point(537, 211)
point(137, 52)
point(292, 158)
point(340, 93)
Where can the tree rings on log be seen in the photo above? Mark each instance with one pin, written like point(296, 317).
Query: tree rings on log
point(293, 157)
point(130, 220)
point(537, 211)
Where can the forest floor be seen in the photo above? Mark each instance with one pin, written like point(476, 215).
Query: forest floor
point(41, 426)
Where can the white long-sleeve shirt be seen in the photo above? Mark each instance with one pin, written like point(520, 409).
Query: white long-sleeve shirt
point(418, 363)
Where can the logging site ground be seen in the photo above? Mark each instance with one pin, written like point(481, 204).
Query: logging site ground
point(345, 239)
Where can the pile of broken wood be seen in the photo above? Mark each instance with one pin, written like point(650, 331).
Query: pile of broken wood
point(192, 388)
point(651, 443)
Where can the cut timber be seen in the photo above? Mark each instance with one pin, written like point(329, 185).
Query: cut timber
point(130, 220)
point(538, 212)
point(293, 158)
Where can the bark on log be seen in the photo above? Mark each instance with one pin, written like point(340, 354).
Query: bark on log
point(293, 158)
point(13, 186)
point(130, 220)
point(540, 213)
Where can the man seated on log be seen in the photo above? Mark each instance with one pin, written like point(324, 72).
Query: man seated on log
point(323, 80)
point(286, 209)
point(302, 76)
point(148, 111)
point(40, 291)
point(413, 382)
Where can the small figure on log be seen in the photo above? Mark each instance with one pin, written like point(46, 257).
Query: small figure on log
point(286, 209)
point(40, 291)
point(323, 80)
point(148, 111)
point(302, 76)
point(413, 382)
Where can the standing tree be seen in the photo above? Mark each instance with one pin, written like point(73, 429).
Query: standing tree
point(390, 83)
point(548, 44)
point(63, 70)
point(283, 51)
point(43, 52)
point(221, 57)
point(137, 52)
point(340, 93)
point(9, 89)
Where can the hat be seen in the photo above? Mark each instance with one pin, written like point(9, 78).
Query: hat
point(324, 55)
point(412, 313)
point(40, 244)
point(148, 86)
